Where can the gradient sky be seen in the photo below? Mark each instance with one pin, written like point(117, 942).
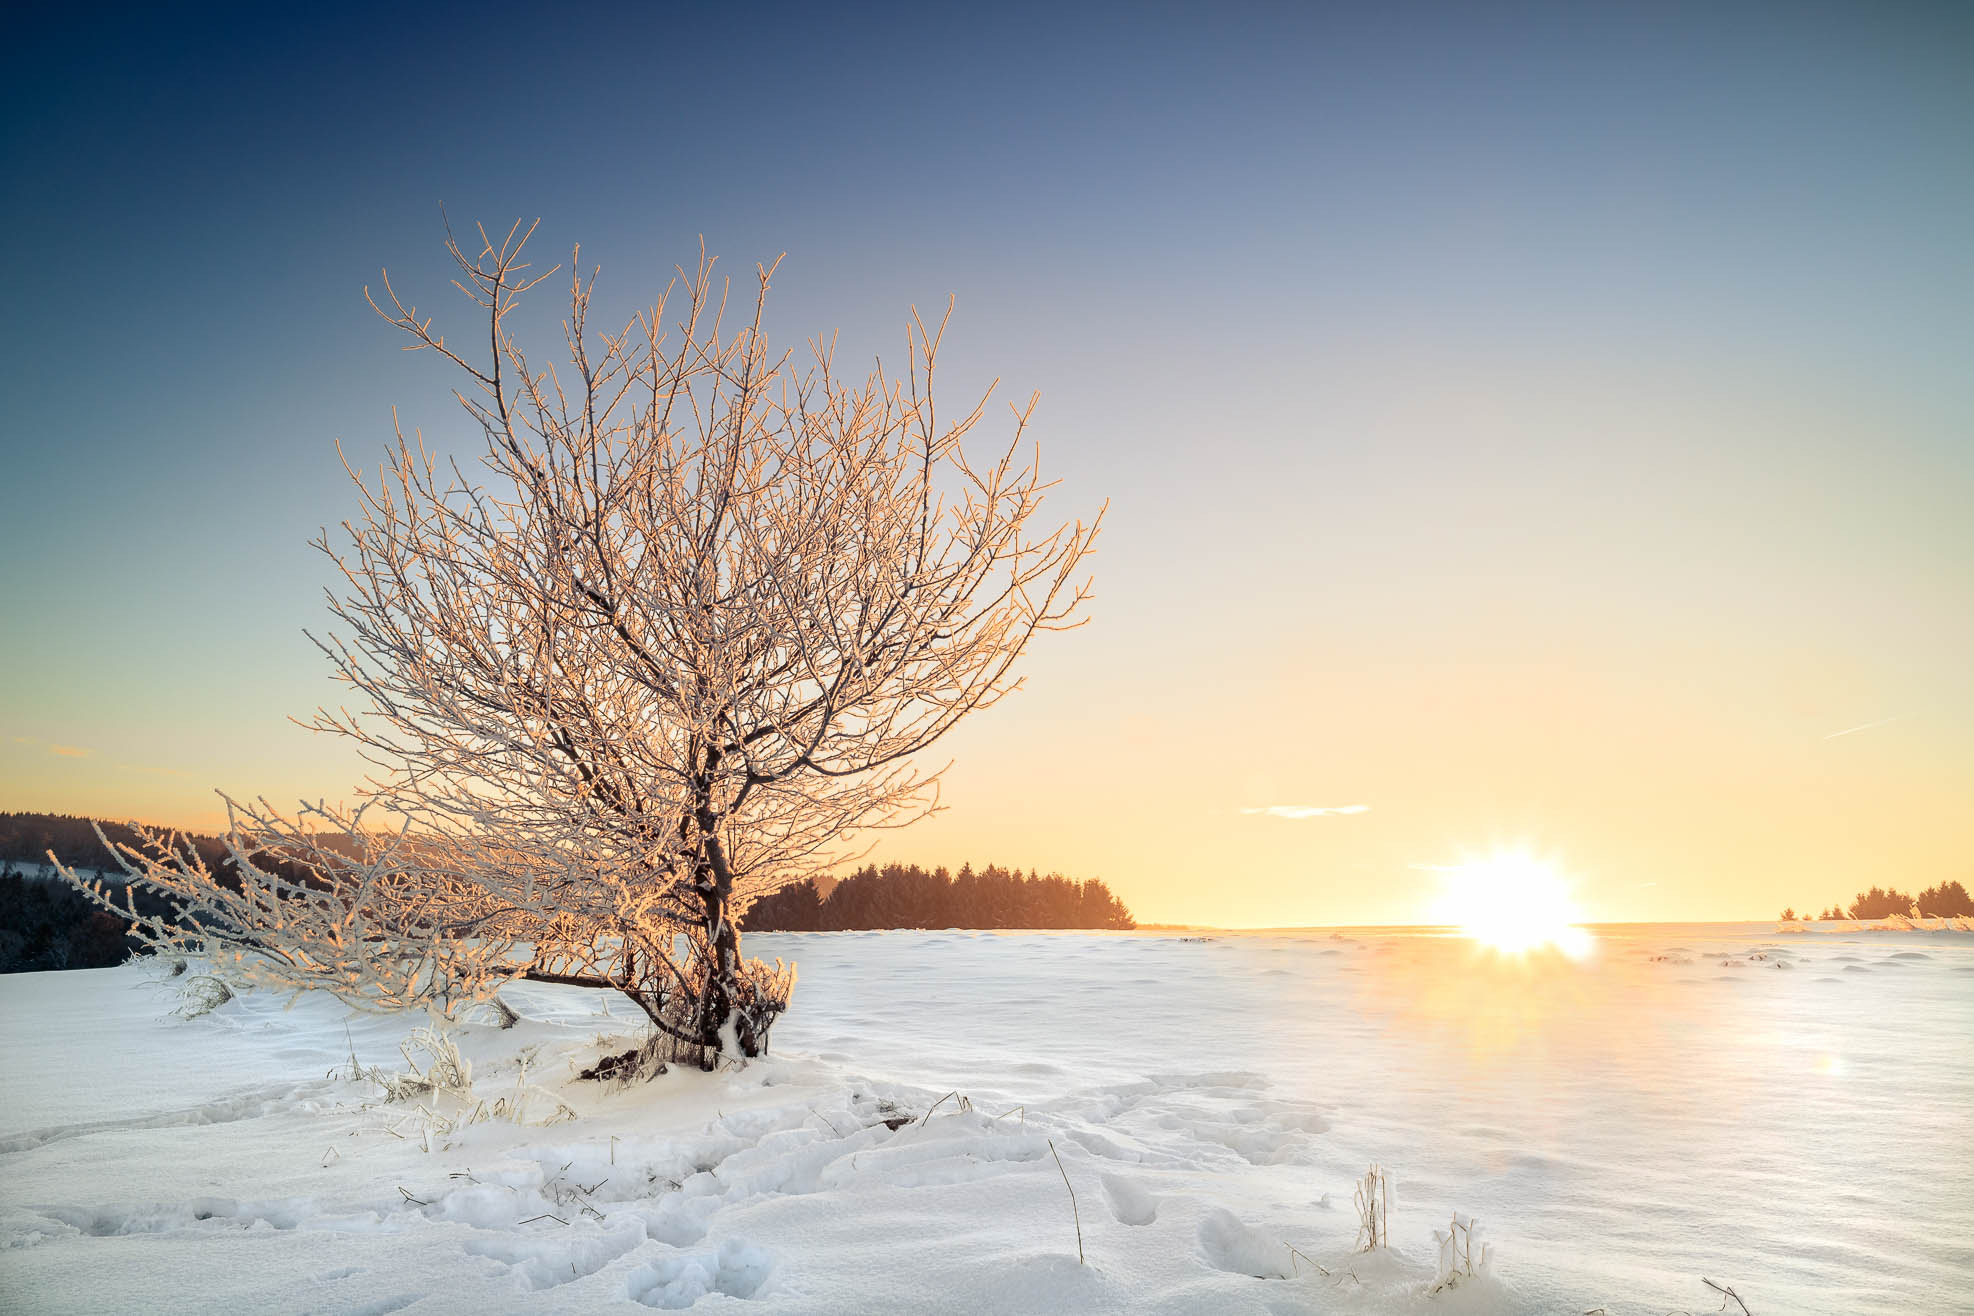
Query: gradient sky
point(1545, 427)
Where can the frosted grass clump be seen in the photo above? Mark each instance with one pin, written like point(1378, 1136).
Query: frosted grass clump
point(1373, 1201)
point(445, 1084)
point(1462, 1254)
point(446, 1071)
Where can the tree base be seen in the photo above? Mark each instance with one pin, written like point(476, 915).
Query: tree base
point(624, 1067)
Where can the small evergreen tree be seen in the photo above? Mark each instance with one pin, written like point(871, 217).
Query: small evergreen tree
point(1946, 900)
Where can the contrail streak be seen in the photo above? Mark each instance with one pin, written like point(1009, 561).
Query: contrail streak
point(1866, 726)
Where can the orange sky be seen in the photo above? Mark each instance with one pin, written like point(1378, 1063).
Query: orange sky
point(1678, 736)
point(1700, 650)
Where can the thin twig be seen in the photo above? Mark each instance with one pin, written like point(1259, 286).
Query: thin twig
point(1727, 1289)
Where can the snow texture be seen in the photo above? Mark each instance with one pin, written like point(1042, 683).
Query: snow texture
point(1672, 1108)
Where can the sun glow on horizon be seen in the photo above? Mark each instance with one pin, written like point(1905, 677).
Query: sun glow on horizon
point(1513, 902)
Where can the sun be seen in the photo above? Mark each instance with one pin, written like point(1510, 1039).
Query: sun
point(1514, 902)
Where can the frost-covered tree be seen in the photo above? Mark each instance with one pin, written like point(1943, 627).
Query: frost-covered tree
point(678, 637)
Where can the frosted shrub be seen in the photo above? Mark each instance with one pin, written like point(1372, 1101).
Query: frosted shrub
point(672, 642)
point(200, 985)
point(202, 993)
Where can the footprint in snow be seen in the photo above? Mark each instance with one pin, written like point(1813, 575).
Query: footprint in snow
point(549, 1262)
point(1129, 1201)
point(385, 1306)
point(1237, 1249)
point(738, 1270)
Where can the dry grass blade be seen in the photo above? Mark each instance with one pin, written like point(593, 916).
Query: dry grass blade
point(1296, 1256)
point(1078, 1215)
point(964, 1104)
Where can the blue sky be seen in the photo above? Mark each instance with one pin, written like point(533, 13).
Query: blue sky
point(1597, 377)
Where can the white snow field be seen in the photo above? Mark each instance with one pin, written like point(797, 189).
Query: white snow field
point(1786, 1114)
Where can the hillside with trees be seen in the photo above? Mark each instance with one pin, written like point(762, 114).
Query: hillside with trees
point(44, 922)
point(27, 838)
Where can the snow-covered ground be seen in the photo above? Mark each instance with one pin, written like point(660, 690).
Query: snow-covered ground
point(1786, 1114)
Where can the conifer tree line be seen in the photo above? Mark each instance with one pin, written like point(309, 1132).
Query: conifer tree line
point(1942, 900)
point(907, 896)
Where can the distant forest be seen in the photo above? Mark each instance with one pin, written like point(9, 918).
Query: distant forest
point(49, 925)
point(1947, 900)
point(901, 896)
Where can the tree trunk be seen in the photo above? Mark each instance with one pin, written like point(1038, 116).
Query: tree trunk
point(722, 993)
point(731, 994)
